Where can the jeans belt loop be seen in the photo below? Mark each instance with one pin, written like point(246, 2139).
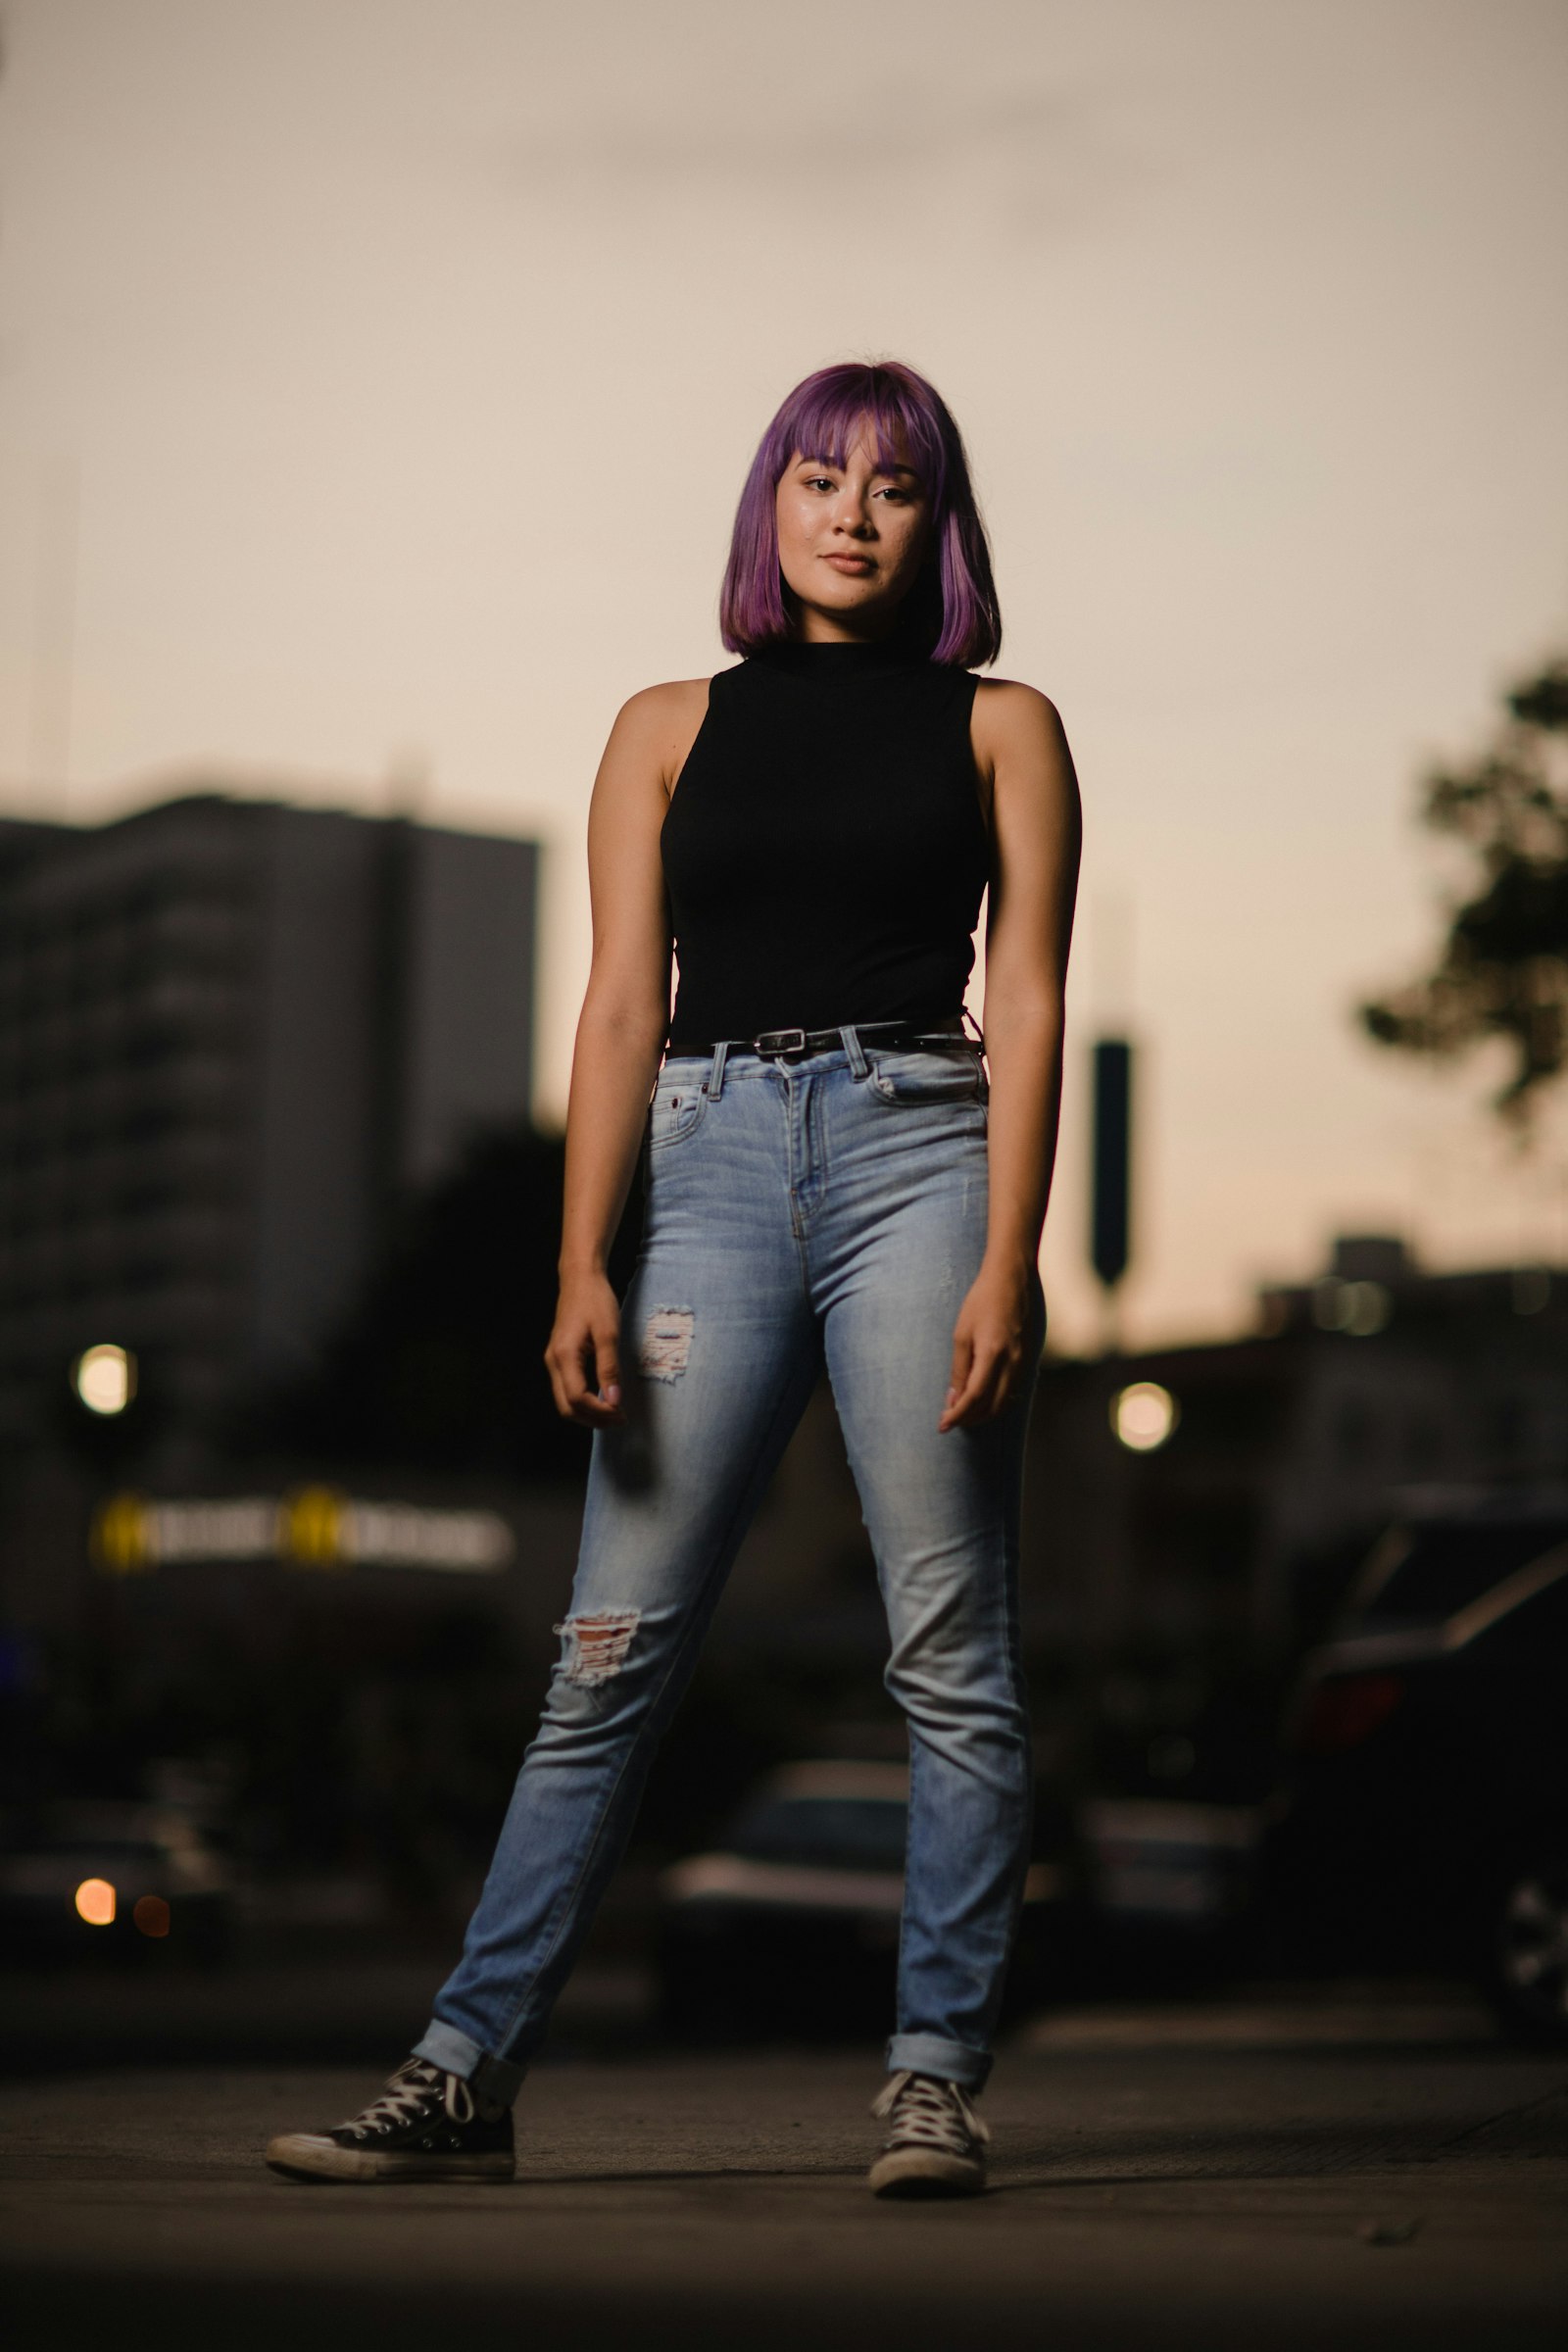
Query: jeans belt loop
point(858, 1065)
point(715, 1070)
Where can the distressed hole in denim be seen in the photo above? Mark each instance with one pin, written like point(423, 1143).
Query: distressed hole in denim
point(666, 1342)
point(599, 1644)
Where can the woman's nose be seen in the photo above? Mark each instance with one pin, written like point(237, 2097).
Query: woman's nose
point(852, 514)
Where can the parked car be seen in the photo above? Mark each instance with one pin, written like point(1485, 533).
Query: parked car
point(1168, 1881)
point(115, 1879)
point(1424, 1815)
point(790, 1923)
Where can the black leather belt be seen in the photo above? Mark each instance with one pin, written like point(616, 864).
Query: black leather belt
point(817, 1041)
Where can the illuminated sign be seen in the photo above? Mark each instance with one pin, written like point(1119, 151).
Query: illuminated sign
point(312, 1528)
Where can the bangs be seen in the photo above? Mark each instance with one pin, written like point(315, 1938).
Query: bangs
point(826, 420)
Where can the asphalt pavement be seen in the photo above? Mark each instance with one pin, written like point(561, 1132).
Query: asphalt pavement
point(1269, 2171)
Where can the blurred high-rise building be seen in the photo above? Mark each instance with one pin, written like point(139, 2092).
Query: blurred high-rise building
point(232, 1036)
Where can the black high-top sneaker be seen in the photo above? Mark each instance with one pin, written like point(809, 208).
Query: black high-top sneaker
point(426, 2126)
point(936, 2144)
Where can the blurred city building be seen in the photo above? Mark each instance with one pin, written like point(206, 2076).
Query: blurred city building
point(233, 1036)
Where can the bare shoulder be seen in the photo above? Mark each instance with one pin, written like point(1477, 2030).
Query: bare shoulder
point(658, 726)
point(658, 706)
point(1011, 717)
point(1025, 768)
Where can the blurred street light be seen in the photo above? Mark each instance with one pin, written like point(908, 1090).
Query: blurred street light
point(1144, 1415)
point(105, 1379)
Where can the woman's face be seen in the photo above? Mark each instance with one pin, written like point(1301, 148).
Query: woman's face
point(850, 541)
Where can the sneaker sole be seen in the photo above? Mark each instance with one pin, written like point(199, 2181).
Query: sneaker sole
point(300, 2156)
point(925, 2173)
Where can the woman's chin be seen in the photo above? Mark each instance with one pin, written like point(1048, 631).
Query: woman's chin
point(851, 604)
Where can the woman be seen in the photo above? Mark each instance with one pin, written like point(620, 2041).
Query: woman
point(812, 831)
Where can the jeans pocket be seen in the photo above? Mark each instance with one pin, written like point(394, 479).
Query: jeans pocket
point(675, 1111)
point(934, 1074)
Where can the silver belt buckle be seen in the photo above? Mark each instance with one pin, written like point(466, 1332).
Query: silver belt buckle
point(780, 1041)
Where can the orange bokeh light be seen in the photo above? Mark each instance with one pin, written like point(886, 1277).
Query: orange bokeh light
point(95, 1902)
point(151, 1915)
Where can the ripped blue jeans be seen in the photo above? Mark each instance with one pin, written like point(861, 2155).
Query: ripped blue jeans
point(834, 1206)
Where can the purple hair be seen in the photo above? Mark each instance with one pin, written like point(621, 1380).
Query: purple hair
point(951, 613)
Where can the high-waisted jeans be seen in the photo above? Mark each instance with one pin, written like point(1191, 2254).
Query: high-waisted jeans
point(835, 1205)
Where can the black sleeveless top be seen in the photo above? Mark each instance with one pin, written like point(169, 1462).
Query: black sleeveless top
point(825, 852)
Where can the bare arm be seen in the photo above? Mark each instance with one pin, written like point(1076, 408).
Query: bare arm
point(621, 1031)
point(1036, 830)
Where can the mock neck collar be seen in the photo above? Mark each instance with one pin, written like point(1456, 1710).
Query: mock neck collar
point(841, 658)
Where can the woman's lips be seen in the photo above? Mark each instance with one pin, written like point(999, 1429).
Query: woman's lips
point(851, 563)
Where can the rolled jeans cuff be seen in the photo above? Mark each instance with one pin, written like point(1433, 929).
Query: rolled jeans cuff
point(928, 2054)
point(495, 2079)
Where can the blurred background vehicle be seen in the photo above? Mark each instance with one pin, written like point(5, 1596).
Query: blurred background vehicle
point(1166, 1887)
point(111, 1880)
point(790, 1924)
point(1423, 1816)
point(1401, 1809)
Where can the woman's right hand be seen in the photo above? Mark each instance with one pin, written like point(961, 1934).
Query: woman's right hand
point(584, 1351)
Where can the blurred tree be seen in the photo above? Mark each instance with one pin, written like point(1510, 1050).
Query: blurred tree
point(440, 1367)
point(1504, 968)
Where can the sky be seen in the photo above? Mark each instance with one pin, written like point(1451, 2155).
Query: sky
point(377, 378)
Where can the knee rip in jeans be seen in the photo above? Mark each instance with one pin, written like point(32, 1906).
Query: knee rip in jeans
point(666, 1343)
point(599, 1644)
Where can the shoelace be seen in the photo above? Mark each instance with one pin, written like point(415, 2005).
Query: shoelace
point(407, 2092)
point(932, 2113)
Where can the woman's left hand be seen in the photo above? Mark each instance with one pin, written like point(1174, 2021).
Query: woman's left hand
point(988, 1345)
